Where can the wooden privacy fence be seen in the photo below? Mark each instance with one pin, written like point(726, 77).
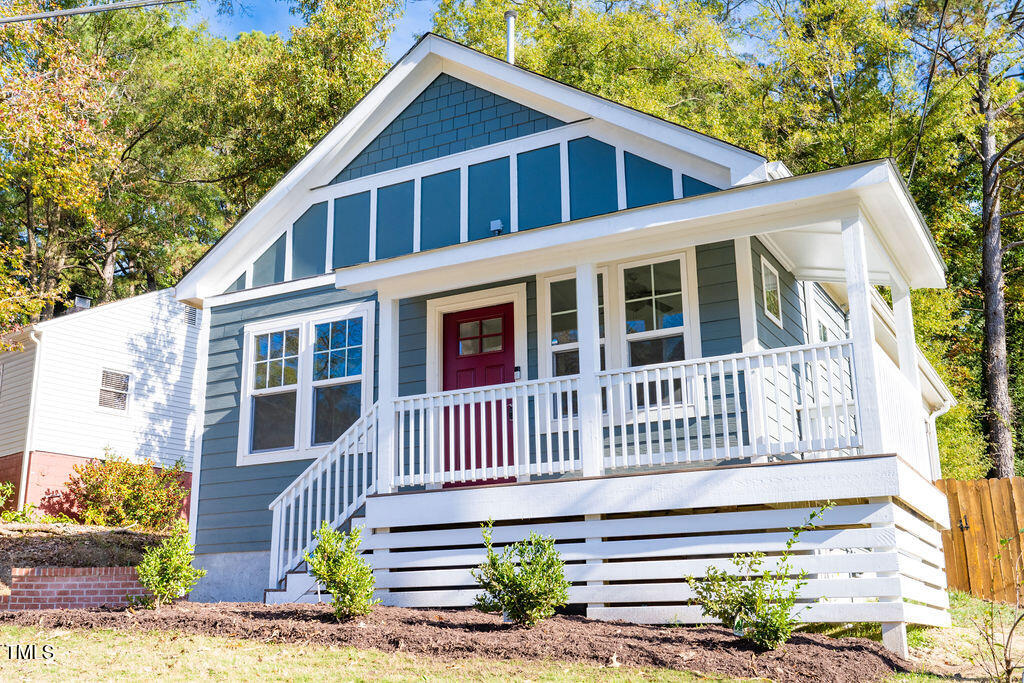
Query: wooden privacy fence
point(981, 512)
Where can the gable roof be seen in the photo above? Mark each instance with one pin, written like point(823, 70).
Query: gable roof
point(431, 56)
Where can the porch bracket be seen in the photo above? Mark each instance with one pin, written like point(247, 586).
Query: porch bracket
point(591, 429)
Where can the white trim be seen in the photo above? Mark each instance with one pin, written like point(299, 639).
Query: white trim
point(545, 349)
point(746, 294)
point(690, 329)
point(198, 417)
point(372, 249)
point(563, 177)
point(620, 178)
point(513, 192)
point(329, 257)
point(417, 207)
point(305, 323)
point(35, 335)
point(437, 308)
point(250, 294)
point(766, 266)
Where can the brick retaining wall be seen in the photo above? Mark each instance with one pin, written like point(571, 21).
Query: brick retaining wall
point(71, 587)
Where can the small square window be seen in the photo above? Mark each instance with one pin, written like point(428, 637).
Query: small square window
point(114, 390)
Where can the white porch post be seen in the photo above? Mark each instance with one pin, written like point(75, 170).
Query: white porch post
point(591, 430)
point(862, 332)
point(387, 390)
point(905, 342)
point(747, 299)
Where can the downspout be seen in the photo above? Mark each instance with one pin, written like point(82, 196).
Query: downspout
point(33, 397)
point(932, 417)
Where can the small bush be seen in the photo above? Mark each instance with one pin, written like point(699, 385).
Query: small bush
point(166, 569)
point(6, 492)
point(526, 582)
point(337, 564)
point(756, 603)
point(117, 492)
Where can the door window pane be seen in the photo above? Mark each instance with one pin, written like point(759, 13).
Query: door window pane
point(273, 421)
point(335, 408)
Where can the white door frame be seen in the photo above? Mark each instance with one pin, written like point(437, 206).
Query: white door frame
point(437, 308)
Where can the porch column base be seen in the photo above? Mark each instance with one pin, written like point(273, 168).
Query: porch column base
point(894, 637)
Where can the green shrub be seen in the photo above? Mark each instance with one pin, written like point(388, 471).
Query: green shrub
point(166, 569)
point(117, 492)
point(526, 582)
point(337, 564)
point(6, 492)
point(756, 603)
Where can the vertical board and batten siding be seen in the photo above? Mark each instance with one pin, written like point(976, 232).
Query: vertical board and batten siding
point(718, 299)
point(769, 333)
point(412, 329)
point(448, 117)
point(148, 337)
point(233, 513)
point(15, 397)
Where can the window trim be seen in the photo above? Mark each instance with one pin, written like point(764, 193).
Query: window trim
point(546, 349)
point(127, 394)
point(691, 323)
point(764, 292)
point(303, 448)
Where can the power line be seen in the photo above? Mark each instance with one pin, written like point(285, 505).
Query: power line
point(91, 9)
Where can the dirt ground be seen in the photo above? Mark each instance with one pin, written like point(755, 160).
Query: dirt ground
point(68, 545)
point(457, 634)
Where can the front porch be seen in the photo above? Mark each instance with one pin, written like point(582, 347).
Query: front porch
point(627, 400)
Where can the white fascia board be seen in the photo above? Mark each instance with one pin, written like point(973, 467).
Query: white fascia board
point(230, 251)
point(746, 166)
point(748, 210)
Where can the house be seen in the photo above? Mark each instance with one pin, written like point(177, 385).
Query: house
point(488, 295)
point(111, 378)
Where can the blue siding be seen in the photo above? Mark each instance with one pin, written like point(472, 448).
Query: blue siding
point(693, 187)
point(269, 267)
point(236, 286)
point(309, 242)
point(394, 220)
point(489, 197)
point(233, 514)
point(592, 184)
point(449, 116)
point(351, 230)
point(718, 299)
point(646, 181)
point(439, 210)
point(769, 333)
point(539, 186)
point(412, 342)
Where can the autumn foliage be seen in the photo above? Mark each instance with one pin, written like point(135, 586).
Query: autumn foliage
point(116, 492)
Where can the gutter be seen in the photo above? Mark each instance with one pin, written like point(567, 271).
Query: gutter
point(33, 397)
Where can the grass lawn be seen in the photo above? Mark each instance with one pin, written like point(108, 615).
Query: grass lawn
point(113, 655)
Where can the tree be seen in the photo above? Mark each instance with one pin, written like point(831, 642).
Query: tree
point(980, 44)
point(19, 302)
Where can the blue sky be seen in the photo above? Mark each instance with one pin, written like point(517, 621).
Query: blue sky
point(272, 16)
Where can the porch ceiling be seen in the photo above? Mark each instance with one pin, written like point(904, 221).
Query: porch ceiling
point(801, 217)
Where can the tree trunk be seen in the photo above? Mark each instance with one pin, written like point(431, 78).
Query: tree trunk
point(107, 269)
point(996, 368)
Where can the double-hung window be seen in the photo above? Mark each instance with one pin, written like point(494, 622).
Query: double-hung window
point(772, 291)
point(653, 304)
point(306, 382)
point(565, 342)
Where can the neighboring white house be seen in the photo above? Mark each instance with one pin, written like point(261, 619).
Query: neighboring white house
point(486, 294)
point(115, 377)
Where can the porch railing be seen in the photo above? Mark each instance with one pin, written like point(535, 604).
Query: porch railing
point(331, 489)
point(903, 416)
point(792, 401)
point(494, 433)
point(795, 402)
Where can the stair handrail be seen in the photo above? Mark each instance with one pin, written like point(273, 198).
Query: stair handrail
point(313, 494)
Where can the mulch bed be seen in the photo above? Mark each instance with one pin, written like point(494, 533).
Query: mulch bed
point(456, 634)
point(69, 545)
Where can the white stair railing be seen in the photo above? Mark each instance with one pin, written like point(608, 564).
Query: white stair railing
point(331, 489)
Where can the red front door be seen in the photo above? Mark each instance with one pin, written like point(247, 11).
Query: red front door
point(479, 351)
